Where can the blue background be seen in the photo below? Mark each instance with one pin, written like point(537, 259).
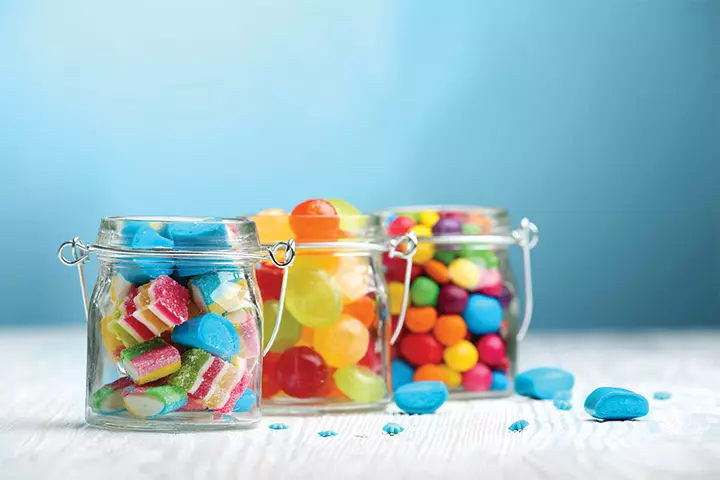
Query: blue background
point(600, 120)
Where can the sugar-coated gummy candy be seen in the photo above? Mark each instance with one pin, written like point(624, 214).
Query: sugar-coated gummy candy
point(119, 288)
point(313, 297)
point(193, 404)
point(289, 331)
point(543, 382)
point(420, 319)
point(452, 299)
point(327, 433)
point(437, 271)
point(351, 220)
point(108, 398)
point(246, 402)
point(401, 373)
point(210, 332)
point(219, 292)
point(278, 426)
point(491, 349)
point(343, 343)
point(301, 372)
point(400, 226)
point(662, 395)
point(155, 401)
point(483, 314)
point(395, 292)
point(360, 384)
point(393, 428)
point(450, 329)
point(150, 361)
point(315, 219)
point(168, 300)
point(614, 403)
point(246, 326)
point(500, 381)
point(424, 292)
point(478, 379)
point(197, 236)
point(421, 397)
point(430, 373)
point(461, 357)
point(421, 348)
point(464, 273)
point(518, 426)
point(429, 218)
point(110, 340)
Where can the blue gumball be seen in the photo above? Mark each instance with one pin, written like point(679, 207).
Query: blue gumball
point(402, 373)
point(483, 314)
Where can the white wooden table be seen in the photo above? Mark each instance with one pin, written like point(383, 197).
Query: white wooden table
point(42, 433)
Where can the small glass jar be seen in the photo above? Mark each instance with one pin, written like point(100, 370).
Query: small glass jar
point(174, 323)
point(332, 351)
point(461, 326)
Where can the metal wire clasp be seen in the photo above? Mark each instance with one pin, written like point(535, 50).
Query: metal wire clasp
point(526, 237)
point(410, 241)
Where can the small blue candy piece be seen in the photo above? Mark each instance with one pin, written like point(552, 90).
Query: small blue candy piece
point(246, 402)
point(483, 314)
point(518, 426)
point(197, 236)
point(499, 381)
point(421, 397)
point(393, 428)
point(402, 373)
point(278, 426)
point(543, 382)
point(145, 237)
point(563, 395)
point(327, 433)
point(662, 395)
point(210, 332)
point(614, 403)
point(562, 404)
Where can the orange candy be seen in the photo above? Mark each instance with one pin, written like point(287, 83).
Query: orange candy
point(450, 329)
point(438, 271)
point(321, 259)
point(306, 337)
point(430, 373)
point(420, 319)
point(315, 220)
point(364, 309)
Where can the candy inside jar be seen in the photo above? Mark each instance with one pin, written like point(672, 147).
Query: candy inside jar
point(332, 348)
point(174, 320)
point(461, 326)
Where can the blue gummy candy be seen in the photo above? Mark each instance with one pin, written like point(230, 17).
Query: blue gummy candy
point(543, 382)
point(140, 271)
point(278, 426)
point(499, 381)
point(483, 314)
point(393, 428)
point(246, 402)
point(210, 332)
point(662, 395)
point(402, 373)
point(327, 433)
point(518, 426)
point(614, 403)
point(197, 236)
point(147, 237)
point(421, 397)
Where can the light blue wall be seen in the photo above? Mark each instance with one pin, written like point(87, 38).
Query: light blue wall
point(598, 119)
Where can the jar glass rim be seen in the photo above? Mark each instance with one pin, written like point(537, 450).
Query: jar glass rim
point(494, 220)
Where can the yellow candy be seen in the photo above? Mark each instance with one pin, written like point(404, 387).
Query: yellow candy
point(429, 218)
point(119, 289)
point(322, 259)
point(395, 291)
point(425, 250)
point(464, 273)
point(112, 343)
point(306, 337)
point(343, 343)
point(452, 378)
point(351, 220)
point(461, 357)
point(354, 277)
point(273, 225)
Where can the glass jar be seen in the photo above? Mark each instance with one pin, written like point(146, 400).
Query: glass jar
point(332, 351)
point(461, 326)
point(174, 323)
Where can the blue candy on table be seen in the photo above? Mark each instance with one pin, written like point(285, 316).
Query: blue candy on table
point(246, 402)
point(210, 332)
point(543, 382)
point(402, 373)
point(278, 426)
point(615, 403)
point(421, 397)
point(393, 428)
point(518, 426)
point(327, 433)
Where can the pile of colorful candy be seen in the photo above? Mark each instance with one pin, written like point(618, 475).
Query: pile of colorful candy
point(332, 335)
point(455, 330)
point(184, 332)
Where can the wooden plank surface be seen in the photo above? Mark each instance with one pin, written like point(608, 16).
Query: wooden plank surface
point(42, 434)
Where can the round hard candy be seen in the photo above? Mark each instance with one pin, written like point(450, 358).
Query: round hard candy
point(402, 373)
point(313, 297)
point(429, 218)
point(452, 299)
point(447, 226)
point(420, 319)
point(424, 292)
point(396, 291)
point(483, 314)
point(464, 273)
point(462, 356)
point(421, 349)
point(316, 220)
point(491, 349)
point(438, 271)
point(360, 384)
point(270, 383)
point(289, 331)
point(445, 256)
point(452, 378)
point(351, 220)
point(477, 379)
point(343, 343)
point(301, 372)
point(400, 226)
point(428, 373)
point(450, 329)
point(505, 298)
point(499, 381)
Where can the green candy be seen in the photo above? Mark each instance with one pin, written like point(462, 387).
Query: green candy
point(424, 292)
point(445, 256)
point(484, 258)
point(471, 229)
point(289, 332)
point(360, 383)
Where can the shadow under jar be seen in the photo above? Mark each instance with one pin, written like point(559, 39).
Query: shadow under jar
point(174, 323)
point(461, 326)
point(332, 350)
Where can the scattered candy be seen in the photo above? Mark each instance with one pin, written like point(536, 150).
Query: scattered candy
point(662, 395)
point(421, 397)
point(150, 361)
point(327, 433)
point(278, 426)
point(153, 402)
point(562, 404)
point(108, 398)
point(614, 403)
point(518, 426)
point(543, 382)
point(210, 332)
point(393, 428)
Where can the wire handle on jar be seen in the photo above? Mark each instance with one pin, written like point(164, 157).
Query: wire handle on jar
point(394, 251)
point(526, 238)
point(287, 261)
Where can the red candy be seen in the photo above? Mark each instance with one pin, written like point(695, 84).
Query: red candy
point(315, 219)
point(491, 349)
point(421, 349)
point(400, 226)
point(452, 299)
point(270, 385)
point(270, 282)
point(477, 379)
point(301, 372)
point(371, 359)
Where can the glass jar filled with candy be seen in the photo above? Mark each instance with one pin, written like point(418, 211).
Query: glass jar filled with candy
point(332, 351)
point(174, 322)
point(461, 327)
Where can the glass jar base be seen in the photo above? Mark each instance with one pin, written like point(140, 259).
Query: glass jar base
point(310, 406)
point(173, 423)
point(461, 395)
